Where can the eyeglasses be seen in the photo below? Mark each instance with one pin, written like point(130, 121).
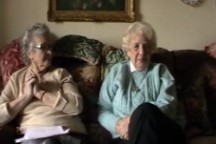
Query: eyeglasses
point(44, 46)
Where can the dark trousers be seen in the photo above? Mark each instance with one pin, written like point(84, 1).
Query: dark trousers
point(149, 125)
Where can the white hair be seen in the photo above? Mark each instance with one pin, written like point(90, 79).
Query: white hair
point(139, 28)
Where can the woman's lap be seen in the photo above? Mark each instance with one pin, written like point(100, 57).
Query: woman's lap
point(150, 126)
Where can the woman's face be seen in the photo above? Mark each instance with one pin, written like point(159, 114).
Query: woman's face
point(41, 52)
point(139, 51)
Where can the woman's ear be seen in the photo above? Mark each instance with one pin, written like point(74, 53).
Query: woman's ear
point(29, 54)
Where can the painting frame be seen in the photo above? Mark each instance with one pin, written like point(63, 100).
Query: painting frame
point(126, 15)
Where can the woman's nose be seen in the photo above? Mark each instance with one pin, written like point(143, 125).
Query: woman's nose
point(141, 50)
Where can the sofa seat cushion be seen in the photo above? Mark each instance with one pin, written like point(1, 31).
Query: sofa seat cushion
point(203, 140)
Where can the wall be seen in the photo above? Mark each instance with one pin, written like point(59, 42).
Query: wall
point(1, 22)
point(178, 26)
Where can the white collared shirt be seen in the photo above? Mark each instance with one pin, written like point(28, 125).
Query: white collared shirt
point(132, 67)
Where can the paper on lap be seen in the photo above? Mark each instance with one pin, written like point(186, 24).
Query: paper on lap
point(43, 132)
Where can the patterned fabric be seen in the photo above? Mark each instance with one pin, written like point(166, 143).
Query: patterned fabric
point(110, 56)
point(79, 47)
point(10, 59)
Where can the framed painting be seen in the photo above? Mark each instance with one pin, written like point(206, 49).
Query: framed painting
point(91, 10)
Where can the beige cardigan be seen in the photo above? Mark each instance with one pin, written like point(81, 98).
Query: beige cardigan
point(64, 110)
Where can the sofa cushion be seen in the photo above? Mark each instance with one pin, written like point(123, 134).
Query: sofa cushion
point(196, 111)
point(10, 59)
point(192, 83)
point(80, 47)
point(87, 78)
point(162, 55)
point(110, 56)
point(204, 90)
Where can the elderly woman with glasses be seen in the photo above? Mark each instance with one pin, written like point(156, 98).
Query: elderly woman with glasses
point(137, 100)
point(40, 95)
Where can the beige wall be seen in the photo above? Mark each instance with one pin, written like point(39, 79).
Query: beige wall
point(1, 22)
point(178, 26)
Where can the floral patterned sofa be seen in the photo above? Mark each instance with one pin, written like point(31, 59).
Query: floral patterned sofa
point(89, 61)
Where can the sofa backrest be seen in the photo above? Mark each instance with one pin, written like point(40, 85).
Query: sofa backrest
point(187, 63)
point(195, 75)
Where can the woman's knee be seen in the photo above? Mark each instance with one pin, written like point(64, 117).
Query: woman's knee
point(146, 108)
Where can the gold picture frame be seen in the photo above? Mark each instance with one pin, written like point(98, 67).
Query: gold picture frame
point(91, 10)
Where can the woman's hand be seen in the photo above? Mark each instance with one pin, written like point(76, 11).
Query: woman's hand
point(32, 86)
point(38, 92)
point(30, 79)
point(122, 127)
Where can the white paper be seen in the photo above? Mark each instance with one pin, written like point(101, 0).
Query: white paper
point(43, 132)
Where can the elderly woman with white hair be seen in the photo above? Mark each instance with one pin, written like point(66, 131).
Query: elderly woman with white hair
point(41, 95)
point(138, 98)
